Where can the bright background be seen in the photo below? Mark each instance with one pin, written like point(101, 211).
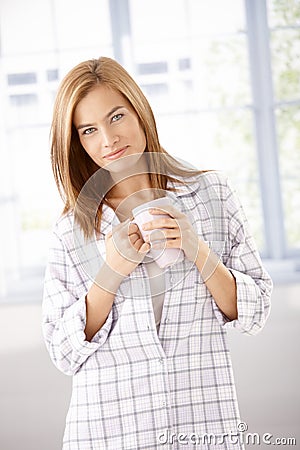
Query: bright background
point(223, 78)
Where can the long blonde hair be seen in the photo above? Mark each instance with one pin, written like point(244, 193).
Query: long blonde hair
point(72, 166)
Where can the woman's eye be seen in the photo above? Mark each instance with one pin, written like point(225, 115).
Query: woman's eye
point(117, 117)
point(88, 131)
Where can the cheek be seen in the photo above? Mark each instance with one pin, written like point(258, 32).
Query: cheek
point(88, 147)
point(94, 155)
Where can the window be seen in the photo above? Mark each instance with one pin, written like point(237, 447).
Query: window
point(154, 67)
point(155, 89)
point(22, 100)
point(210, 70)
point(184, 64)
point(14, 79)
point(284, 22)
point(52, 74)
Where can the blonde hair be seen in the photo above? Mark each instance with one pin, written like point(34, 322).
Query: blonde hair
point(72, 166)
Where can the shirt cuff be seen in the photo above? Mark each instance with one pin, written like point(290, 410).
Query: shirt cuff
point(250, 307)
point(74, 322)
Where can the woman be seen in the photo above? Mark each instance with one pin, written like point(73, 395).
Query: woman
point(146, 346)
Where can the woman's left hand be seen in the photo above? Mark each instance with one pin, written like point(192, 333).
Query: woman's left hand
point(173, 231)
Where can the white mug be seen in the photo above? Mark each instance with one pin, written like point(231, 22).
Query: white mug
point(163, 257)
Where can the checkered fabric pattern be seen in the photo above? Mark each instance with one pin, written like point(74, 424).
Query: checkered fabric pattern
point(132, 386)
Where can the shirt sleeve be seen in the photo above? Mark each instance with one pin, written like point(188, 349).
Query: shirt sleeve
point(253, 283)
point(64, 313)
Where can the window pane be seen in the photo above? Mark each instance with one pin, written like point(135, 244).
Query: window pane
point(14, 79)
point(223, 73)
point(283, 13)
point(184, 64)
point(180, 18)
point(215, 16)
point(23, 100)
point(285, 48)
point(155, 90)
point(153, 67)
point(24, 110)
point(288, 125)
point(52, 74)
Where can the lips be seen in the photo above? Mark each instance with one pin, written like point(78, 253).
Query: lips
point(116, 153)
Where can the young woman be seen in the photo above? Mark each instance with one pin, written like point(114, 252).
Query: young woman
point(146, 345)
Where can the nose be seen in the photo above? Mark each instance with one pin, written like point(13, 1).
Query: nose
point(108, 138)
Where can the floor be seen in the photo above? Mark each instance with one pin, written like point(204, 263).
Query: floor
point(34, 395)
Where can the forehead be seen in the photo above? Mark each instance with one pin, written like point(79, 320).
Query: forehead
point(99, 101)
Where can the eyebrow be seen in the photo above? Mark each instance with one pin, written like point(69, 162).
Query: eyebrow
point(86, 125)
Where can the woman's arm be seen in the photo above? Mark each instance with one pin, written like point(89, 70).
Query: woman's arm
point(100, 298)
point(77, 322)
point(218, 279)
point(64, 307)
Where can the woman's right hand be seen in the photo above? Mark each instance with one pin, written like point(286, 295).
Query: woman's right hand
point(125, 248)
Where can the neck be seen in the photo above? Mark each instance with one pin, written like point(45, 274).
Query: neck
point(136, 178)
point(130, 186)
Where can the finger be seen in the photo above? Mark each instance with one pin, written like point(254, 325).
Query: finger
point(167, 209)
point(165, 222)
point(141, 244)
point(166, 233)
point(133, 238)
point(132, 227)
point(144, 248)
point(169, 243)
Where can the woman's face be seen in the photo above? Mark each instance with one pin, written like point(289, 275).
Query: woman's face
point(109, 128)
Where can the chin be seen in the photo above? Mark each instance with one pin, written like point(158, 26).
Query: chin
point(125, 164)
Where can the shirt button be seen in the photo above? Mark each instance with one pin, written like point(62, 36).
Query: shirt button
point(167, 320)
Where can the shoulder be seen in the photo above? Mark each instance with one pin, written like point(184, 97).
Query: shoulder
point(206, 184)
point(213, 178)
point(63, 227)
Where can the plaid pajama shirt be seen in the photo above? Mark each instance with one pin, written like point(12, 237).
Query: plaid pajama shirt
point(134, 389)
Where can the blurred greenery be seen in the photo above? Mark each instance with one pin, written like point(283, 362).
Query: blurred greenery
point(235, 146)
point(288, 127)
point(234, 139)
point(227, 69)
point(283, 12)
point(36, 219)
point(285, 50)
